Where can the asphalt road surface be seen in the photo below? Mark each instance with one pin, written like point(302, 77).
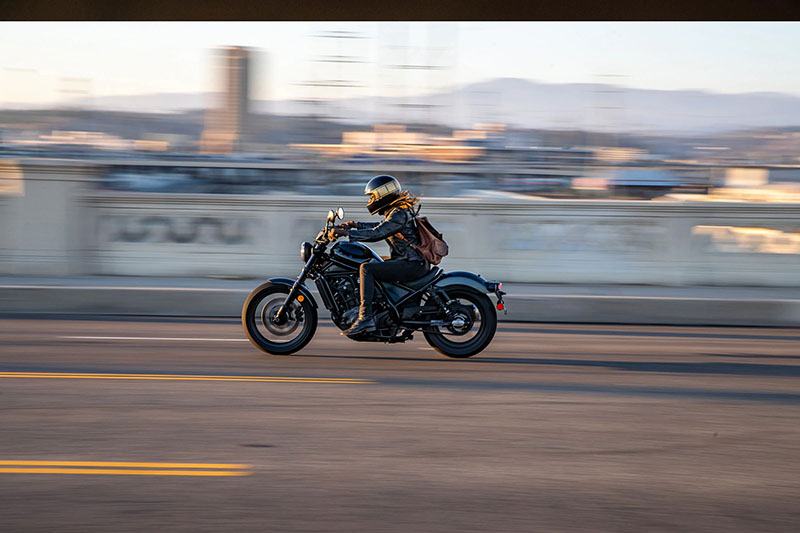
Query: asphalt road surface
point(182, 426)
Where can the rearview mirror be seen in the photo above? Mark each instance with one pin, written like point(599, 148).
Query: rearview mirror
point(340, 213)
point(331, 215)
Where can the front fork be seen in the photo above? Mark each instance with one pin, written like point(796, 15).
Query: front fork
point(280, 314)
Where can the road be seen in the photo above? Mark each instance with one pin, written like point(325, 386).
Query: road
point(181, 426)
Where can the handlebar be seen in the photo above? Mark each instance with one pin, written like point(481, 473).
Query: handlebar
point(322, 236)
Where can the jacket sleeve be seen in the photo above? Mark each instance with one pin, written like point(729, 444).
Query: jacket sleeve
point(391, 225)
point(365, 225)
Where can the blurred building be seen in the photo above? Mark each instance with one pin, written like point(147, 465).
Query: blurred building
point(87, 139)
point(226, 124)
point(613, 154)
point(394, 140)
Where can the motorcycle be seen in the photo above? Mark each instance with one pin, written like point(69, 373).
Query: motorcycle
point(452, 310)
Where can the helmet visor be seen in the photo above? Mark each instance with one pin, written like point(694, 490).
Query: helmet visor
point(384, 190)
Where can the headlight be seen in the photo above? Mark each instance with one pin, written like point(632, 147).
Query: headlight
point(305, 252)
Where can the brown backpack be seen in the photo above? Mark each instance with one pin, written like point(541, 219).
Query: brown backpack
point(431, 244)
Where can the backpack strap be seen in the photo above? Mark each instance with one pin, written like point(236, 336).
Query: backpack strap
point(400, 235)
point(414, 218)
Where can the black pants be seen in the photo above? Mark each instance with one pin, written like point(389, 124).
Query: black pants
point(392, 270)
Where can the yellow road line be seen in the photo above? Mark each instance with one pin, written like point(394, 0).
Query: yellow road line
point(179, 339)
point(123, 472)
point(128, 464)
point(180, 377)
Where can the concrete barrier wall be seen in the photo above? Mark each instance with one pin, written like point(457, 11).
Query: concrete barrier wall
point(43, 220)
point(63, 225)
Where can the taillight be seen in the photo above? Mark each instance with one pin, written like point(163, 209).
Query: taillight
point(500, 306)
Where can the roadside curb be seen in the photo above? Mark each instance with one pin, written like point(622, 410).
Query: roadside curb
point(226, 302)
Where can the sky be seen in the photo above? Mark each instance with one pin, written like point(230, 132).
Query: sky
point(43, 63)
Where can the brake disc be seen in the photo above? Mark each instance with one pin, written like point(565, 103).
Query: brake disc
point(291, 320)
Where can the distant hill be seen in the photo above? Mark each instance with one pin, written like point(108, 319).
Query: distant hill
point(596, 107)
point(150, 103)
point(530, 104)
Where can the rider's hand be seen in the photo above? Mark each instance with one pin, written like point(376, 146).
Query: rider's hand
point(349, 224)
point(336, 232)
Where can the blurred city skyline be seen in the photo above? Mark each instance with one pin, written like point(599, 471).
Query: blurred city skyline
point(622, 110)
point(48, 63)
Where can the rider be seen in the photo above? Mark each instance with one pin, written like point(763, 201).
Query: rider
point(387, 198)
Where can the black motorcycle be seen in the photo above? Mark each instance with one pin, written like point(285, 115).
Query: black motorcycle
point(452, 310)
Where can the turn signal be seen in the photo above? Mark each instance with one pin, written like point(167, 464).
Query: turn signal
point(500, 306)
point(300, 298)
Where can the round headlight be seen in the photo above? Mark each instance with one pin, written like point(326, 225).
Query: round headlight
point(305, 252)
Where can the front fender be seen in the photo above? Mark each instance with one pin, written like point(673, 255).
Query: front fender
point(288, 282)
point(460, 277)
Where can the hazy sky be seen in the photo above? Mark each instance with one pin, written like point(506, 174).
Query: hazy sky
point(117, 58)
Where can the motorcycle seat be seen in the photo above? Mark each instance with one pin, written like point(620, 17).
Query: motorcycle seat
point(424, 280)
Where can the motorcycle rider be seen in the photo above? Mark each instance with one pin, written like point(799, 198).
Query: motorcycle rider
point(387, 198)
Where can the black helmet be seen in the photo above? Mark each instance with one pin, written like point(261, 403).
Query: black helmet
point(382, 191)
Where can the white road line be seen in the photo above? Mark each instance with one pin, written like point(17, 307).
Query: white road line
point(125, 288)
point(200, 339)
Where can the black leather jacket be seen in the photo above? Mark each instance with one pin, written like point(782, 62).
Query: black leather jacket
point(395, 221)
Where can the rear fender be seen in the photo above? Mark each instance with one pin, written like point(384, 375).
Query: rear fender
point(463, 278)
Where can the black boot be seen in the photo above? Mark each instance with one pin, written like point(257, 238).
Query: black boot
point(365, 323)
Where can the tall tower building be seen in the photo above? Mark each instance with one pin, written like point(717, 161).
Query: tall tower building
point(226, 124)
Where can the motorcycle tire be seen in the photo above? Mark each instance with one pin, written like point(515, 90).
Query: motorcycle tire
point(462, 350)
point(251, 319)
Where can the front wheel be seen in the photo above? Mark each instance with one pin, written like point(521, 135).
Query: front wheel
point(283, 338)
point(474, 323)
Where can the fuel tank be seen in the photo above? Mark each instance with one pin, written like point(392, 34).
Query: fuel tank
point(353, 253)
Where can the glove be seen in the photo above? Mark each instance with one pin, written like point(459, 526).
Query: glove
point(336, 232)
point(349, 224)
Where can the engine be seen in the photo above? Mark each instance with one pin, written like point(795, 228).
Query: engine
point(345, 294)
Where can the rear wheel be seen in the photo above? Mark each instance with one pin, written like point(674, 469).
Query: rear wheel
point(473, 326)
point(278, 338)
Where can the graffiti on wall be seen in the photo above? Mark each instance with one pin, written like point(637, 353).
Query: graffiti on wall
point(168, 229)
